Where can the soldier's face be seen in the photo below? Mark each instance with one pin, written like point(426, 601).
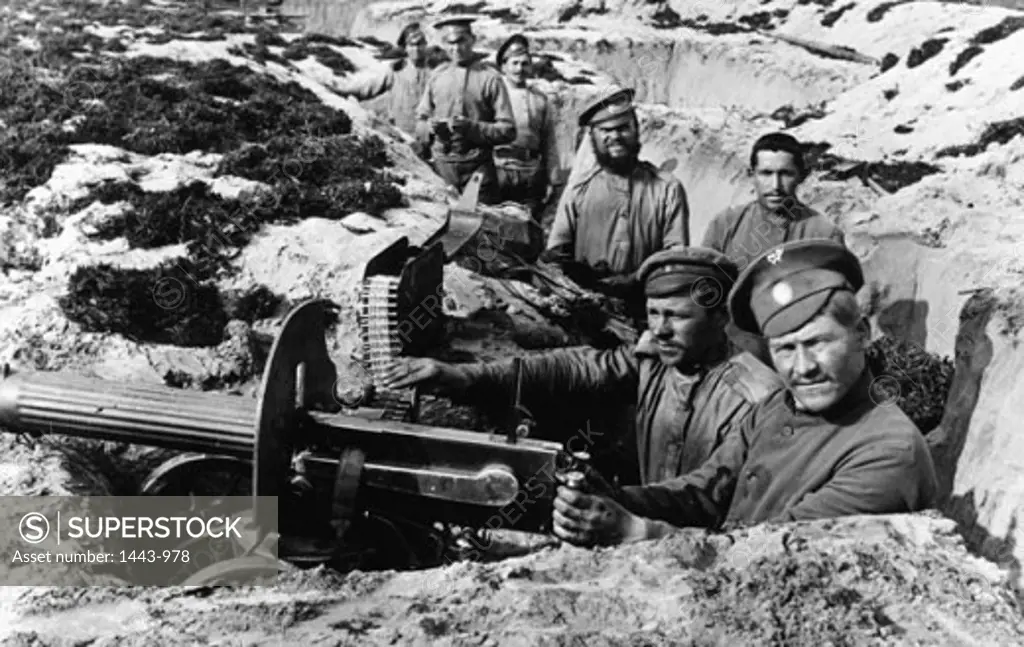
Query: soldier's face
point(617, 141)
point(776, 178)
point(516, 67)
point(683, 329)
point(458, 43)
point(821, 361)
point(416, 46)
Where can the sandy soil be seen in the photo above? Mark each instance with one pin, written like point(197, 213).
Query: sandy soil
point(861, 581)
point(898, 580)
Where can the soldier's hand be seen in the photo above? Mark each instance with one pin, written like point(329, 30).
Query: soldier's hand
point(420, 371)
point(591, 519)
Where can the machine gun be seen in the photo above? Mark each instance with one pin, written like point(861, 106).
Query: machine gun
point(359, 484)
point(343, 481)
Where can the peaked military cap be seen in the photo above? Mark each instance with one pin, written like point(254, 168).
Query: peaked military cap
point(703, 273)
point(787, 286)
point(607, 105)
point(454, 21)
point(515, 45)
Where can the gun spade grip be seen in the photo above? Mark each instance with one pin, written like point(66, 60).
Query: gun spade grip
point(132, 413)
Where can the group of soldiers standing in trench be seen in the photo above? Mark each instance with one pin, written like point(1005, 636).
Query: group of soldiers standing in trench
point(748, 393)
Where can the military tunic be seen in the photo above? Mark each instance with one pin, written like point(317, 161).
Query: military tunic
point(528, 165)
point(680, 419)
point(744, 233)
point(788, 465)
point(476, 91)
point(402, 88)
point(622, 220)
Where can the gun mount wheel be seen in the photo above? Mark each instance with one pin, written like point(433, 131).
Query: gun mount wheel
point(200, 475)
point(299, 376)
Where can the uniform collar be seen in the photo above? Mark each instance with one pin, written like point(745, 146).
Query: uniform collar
point(856, 399)
point(800, 213)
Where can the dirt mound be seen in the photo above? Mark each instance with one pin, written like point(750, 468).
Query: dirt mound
point(899, 580)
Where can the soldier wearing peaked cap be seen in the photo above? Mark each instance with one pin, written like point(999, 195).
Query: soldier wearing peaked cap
point(527, 168)
point(614, 216)
point(689, 397)
point(464, 111)
point(832, 443)
point(395, 95)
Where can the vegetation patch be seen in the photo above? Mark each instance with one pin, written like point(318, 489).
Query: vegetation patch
point(258, 53)
point(999, 132)
point(1005, 28)
point(820, 3)
point(833, 16)
point(161, 305)
point(277, 133)
point(211, 106)
point(715, 28)
point(323, 54)
point(955, 86)
point(889, 61)
point(920, 381)
point(792, 117)
point(1017, 85)
point(667, 18)
point(759, 20)
point(892, 176)
point(890, 94)
point(543, 67)
point(963, 58)
point(506, 16)
point(879, 12)
point(997, 32)
point(465, 9)
point(927, 50)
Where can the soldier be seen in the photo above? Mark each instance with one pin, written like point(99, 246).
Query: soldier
point(776, 216)
point(403, 85)
point(826, 446)
point(464, 112)
point(620, 212)
point(689, 397)
point(527, 169)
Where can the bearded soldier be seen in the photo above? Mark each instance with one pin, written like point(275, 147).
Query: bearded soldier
point(622, 211)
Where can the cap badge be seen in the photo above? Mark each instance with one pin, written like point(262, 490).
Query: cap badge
point(782, 293)
point(775, 257)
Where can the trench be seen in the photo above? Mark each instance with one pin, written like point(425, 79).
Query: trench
point(703, 104)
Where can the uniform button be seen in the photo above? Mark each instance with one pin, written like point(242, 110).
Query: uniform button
point(787, 431)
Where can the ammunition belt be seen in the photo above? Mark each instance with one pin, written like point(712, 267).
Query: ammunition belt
point(378, 306)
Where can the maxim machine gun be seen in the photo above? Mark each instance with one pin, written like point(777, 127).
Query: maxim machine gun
point(355, 487)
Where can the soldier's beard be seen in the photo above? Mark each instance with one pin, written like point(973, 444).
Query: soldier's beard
point(619, 165)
